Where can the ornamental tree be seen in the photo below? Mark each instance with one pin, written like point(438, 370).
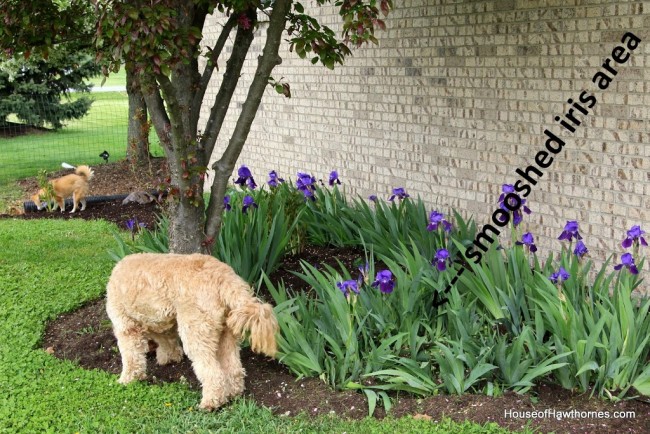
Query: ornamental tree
point(160, 43)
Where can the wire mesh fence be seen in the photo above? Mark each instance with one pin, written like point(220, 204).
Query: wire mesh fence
point(98, 137)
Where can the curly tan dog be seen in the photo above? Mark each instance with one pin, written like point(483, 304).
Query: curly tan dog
point(194, 297)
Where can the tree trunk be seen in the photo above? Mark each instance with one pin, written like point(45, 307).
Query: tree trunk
point(137, 150)
point(169, 101)
point(185, 227)
point(173, 104)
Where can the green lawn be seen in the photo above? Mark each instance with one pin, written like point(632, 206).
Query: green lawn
point(113, 79)
point(79, 142)
point(48, 267)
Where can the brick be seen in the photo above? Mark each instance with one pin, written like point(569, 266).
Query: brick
point(456, 97)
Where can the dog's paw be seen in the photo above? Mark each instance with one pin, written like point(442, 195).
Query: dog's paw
point(235, 392)
point(128, 378)
point(235, 384)
point(125, 380)
point(164, 358)
point(211, 404)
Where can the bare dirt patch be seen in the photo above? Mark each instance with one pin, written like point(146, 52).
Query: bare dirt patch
point(114, 178)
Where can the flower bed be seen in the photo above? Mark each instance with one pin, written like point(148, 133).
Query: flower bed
point(506, 323)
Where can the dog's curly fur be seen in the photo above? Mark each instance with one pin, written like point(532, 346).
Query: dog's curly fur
point(194, 297)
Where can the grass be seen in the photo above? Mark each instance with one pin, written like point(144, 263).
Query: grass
point(48, 267)
point(10, 195)
point(113, 79)
point(79, 142)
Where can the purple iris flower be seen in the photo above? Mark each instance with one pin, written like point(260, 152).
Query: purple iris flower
point(399, 193)
point(570, 231)
point(305, 183)
point(627, 261)
point(384, 280)
point(274, 180)
point(442, 256)
point(373, 197)
point(364, 270)
point(527, 240)
point(560, 276)
point(635, 234)
point(348, 285)
point(334, 178)
point(248, 203)
point(245, 177)
point(506, 189)
point(436, 219)
point(517, 215)
point(580, 249)
point(226, 203)
point(133, 226)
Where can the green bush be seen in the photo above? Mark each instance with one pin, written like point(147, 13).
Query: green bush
point(332, 220)
point(254, 242)
point(592, 336)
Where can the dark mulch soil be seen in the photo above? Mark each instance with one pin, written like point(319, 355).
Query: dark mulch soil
point(112, 211)
point(85, 336)
point(109, 180)
point(114, 178)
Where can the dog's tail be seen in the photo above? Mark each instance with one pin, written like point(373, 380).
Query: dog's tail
point(251, 315)
point(84, 171)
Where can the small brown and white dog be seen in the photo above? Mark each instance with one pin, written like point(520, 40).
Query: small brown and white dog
point(197, 298)
point(74, 185)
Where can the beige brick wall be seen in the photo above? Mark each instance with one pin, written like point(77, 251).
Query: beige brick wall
point(456, 97)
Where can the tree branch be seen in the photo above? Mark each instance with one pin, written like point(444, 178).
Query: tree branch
point(211, 64)
point(174, 109)
point(200, 13)
point(224, 166)
point(235, 63)
point(157, 112)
